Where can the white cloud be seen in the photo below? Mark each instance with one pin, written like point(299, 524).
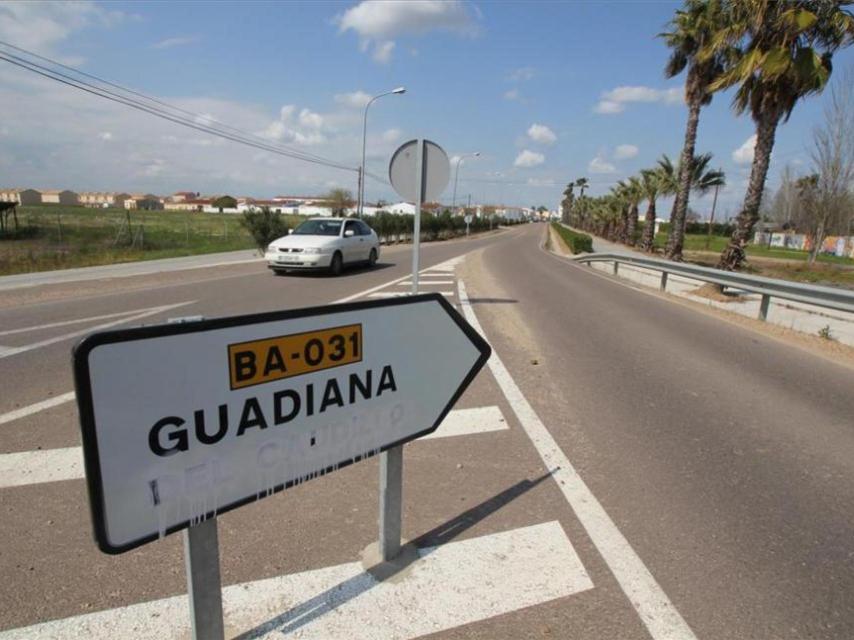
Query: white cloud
point(512, 94)
point(106, 136)
point(310, 119)
point(540, 182)
point(40, 26)
point(521, 74)
point(625, 151)
point(600, 165)
point(541, 133)
point(744, 154)
point(383, 21)
point(614, 101)
point(391, 135)
point(177, 41)
point(529, 159)
point(355, 99)
point(382, 51)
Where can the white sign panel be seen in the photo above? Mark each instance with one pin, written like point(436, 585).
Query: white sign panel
point(402, 171)
point(182, 422)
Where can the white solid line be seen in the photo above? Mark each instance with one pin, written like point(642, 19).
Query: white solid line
point(463, 422)
point(106, 325)
point(52, 465)
point(657, 613)
point(445, 587)
point(67, 322)
point(35, 467)
point(425, 283)
point(36, 407)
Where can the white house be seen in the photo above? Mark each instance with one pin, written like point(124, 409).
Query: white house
point(405, 208)
point(59, 196)
point(21, 196)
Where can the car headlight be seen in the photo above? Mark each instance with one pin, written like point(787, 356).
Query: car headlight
point(314, 250)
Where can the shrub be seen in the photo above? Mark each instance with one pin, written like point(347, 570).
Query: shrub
point(577, 242)
point(264, 226)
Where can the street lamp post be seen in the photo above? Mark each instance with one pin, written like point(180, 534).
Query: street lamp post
point(457, 175)
point(361, 194)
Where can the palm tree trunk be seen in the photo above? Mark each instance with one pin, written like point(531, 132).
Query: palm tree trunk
point(733, 255)
point(648, 240)
point(632, 226)
point(680, 206)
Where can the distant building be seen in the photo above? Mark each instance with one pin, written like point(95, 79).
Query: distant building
point(405, 208)
point(57, 196)
point(21, 196)
point(101, 199)
point(144, 202)
point(183, 196)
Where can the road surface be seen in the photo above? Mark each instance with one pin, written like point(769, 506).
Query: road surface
point(625, 467)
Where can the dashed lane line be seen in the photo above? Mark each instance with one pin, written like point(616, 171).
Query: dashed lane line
point(74, 334)
point(444, 587)
point(64, 323)
point(656, 611)
point(53, 465)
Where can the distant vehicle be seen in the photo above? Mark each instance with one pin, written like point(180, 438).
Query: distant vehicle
point(324, 243)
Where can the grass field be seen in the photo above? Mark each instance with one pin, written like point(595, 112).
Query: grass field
point(62, 237)
point(718, 243)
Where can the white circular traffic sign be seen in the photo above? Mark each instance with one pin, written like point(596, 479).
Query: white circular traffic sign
point(402, 170)
point(467, 219)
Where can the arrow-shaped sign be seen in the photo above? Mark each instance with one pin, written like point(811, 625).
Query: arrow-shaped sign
point(182, 422)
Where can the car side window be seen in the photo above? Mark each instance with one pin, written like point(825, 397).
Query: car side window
point(351, 226)
point(365, 229)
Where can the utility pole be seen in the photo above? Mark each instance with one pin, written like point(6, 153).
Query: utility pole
point(712, 216)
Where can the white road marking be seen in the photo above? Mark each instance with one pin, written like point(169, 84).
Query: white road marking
point(35, 467)
point(36, 407)
point(77, 321)
point(52, 465)
point(462, 422)
point(400, 294)
point(425, 282)
point(68, 336)
point(446, 586)
point(657, 613)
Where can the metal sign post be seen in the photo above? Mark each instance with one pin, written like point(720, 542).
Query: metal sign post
point(419, 170)
point(204, 588)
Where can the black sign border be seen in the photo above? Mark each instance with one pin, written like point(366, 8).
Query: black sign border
point(83, 388)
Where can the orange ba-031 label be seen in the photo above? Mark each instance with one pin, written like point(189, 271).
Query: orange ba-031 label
point(259, 361)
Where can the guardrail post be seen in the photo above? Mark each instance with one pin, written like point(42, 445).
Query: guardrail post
point(663, 284)
point(763, 306)
point(616, 267)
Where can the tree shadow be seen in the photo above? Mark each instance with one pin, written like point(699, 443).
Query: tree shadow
point(427, 542)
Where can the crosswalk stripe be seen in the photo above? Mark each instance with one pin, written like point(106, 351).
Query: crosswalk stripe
point(53, 465)
point(424, 283)
point(444, 587)
point(400, 294)
point(36, 407)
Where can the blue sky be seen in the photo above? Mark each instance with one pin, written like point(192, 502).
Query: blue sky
point(547, 92)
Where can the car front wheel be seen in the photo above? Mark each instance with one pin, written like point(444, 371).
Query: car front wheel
point(337, 264)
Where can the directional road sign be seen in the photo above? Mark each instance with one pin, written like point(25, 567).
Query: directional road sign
point(182, 422)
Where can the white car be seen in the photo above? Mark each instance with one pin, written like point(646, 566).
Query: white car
point(324, 243)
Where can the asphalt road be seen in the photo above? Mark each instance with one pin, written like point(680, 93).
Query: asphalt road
point(655, 471)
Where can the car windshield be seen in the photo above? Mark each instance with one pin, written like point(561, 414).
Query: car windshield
point(318, 228)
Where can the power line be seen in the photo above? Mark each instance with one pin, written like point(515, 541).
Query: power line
point(238, 135)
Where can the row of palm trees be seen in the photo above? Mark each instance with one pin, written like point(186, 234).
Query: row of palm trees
point(615, 215)
point(774, 53)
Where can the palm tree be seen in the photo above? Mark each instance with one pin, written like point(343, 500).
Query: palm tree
point(701, 178)
point(651, 183)
point(582, 184)
point(785, 48)
point(691, 31)
point(633, 194)
point(566, 203)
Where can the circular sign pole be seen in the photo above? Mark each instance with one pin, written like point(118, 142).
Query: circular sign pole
point(419, 170)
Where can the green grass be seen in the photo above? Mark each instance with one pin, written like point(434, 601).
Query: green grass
point(63, 237)
point(576, 242)
point(717, 244)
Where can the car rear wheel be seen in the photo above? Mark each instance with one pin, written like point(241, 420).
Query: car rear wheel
point(279, 272)
point(372, 259)
point(337, 264)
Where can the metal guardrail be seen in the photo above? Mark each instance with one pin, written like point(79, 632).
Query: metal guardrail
point(827, 297)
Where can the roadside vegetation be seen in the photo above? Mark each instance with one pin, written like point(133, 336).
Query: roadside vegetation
point(774, 54)
point(576, 242)
point(50, 237)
